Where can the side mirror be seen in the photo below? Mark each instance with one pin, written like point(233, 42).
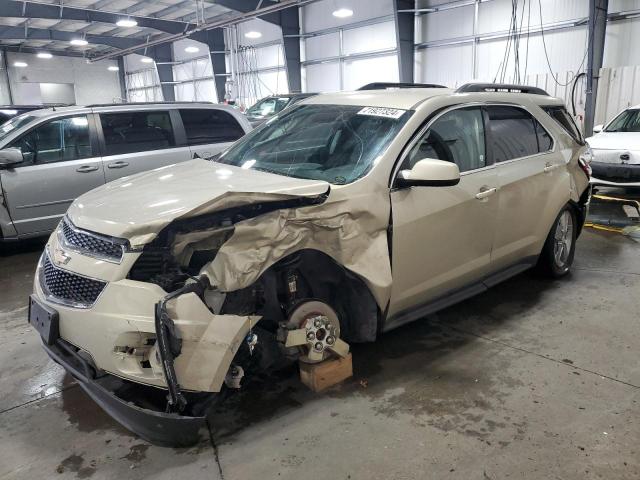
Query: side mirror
point(598, 128)
point(430, 172)
point(10, 157)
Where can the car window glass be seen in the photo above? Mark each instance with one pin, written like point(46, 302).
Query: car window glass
point(513, 133)
point(334, 143)
point(560, 115)
point(457, 136)
point(130, 132)
point(268, 106)
point(58, 140)
point(210, 126)
point(545, 142)
point(11, 125)
point(627, 121)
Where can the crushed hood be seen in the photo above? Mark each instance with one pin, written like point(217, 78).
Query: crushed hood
point(624, 141)
point(139, 206)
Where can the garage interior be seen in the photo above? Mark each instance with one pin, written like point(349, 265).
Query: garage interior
point(532, 379)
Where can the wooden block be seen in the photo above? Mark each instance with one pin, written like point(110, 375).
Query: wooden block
point(320, 376)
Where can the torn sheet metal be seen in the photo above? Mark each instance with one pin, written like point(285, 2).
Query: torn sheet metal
point(352, 231)
point(209, 343)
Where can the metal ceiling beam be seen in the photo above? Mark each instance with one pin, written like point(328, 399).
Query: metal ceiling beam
point(20, 33)
point(598, 10)
point(163, 56)
point(290, 25)
point(214, 39)
point(12, 8)
point(246, 6)
point(239, 18)
point(52, 51)
point(405, 37)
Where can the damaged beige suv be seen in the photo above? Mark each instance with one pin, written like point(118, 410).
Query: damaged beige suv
point(342, 217)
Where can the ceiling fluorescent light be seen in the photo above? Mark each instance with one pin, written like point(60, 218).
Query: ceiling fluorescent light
point(44, 55)
point(192, 49)
point(112, 68)
point(20, 64)
point(146, 60)
point(342, 13)
point(253, 34)
point(79, 42)
point(126, 22)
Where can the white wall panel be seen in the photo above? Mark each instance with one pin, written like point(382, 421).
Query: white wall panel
point(366, 70)
point(619, 88)
point(322, 77)
point(495, 16)
point(622, 43)
point(269, 31)
point(450, 66)
point(322, 46)
point(318, 15)
point(271, 56)
point(180, 54)
point(370, 38)
point(456, 22)
point(93, 83)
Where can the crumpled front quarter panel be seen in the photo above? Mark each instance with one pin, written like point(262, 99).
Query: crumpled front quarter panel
point(351, 227)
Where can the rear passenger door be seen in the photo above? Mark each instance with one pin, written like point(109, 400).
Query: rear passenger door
point(136, 141)
point(528, 176)
point(209, 131)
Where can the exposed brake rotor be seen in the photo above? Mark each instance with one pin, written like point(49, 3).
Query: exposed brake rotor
point(315, 328)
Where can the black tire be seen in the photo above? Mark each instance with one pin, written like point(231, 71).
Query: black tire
point(556, 262)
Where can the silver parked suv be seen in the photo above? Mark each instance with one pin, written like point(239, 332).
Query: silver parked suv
point(50, 157)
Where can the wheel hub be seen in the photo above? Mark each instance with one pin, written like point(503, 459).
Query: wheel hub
point(315, 328)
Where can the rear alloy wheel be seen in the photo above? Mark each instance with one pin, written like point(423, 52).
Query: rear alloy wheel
point(559, 248)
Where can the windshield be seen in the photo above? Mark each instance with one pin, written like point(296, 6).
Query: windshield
point(268, 106)
point(335, 143)
point(10, 125)
point(627, 121)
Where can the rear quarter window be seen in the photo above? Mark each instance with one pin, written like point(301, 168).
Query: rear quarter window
point(562, 117)
point(210, 125)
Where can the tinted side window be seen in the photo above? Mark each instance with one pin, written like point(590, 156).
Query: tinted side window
point(457, 136)
point(513, 133)
point(56, 141)
point(560, 115)
point(210, 126)
point(545, 142)
point(130, 132)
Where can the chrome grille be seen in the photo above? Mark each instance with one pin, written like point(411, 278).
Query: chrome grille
point(90, 243)
point(68, 288)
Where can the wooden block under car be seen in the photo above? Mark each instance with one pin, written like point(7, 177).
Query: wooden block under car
point(320, 376)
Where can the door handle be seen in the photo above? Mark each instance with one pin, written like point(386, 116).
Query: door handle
point(118, 164)
point(550, 167)
point(86, 169)
point(485, 192)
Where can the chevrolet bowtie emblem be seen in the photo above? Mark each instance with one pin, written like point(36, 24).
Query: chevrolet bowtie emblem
point(60, 257)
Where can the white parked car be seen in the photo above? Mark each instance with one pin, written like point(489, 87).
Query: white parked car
point(615, 151)
point(344, 216)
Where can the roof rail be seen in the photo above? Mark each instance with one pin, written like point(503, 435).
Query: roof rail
point(145, 103)
point(500, 87)
point(385, 85)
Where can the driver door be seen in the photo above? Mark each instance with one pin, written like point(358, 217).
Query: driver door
point(60, 163)
point(442, 236)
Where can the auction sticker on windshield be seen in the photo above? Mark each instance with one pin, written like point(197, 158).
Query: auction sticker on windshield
point(382, 112)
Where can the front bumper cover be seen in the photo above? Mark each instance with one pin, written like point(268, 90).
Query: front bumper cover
point(615, 174)
point(155, 426)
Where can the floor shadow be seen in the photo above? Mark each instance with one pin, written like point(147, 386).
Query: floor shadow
point(8, 249)
point(410, 353)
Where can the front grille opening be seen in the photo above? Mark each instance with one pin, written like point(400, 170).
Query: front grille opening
point(68, 288)
point(91, 244)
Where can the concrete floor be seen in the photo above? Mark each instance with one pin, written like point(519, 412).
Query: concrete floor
point(535, 379)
